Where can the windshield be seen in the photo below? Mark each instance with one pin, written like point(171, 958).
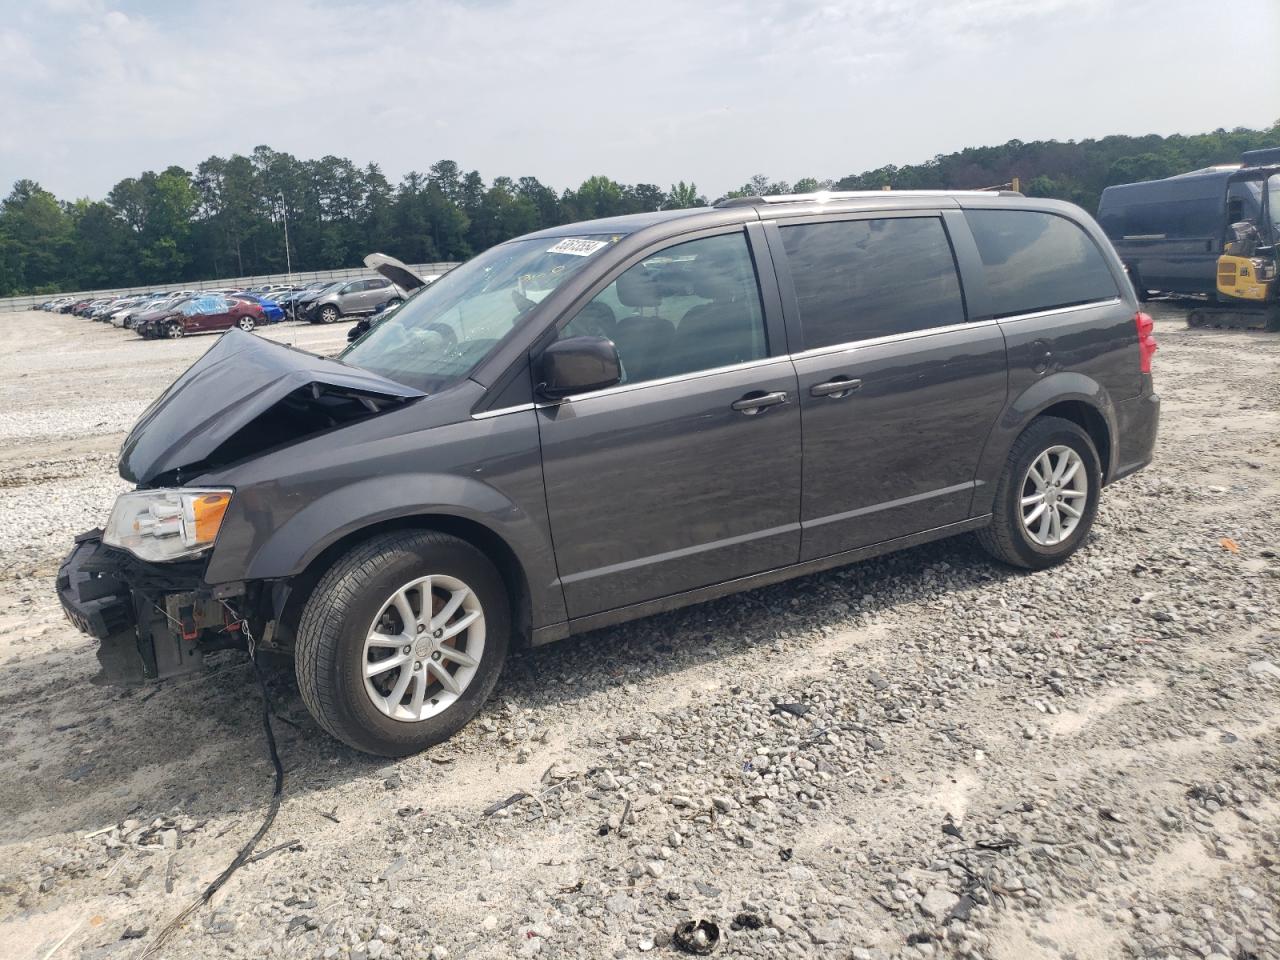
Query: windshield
point(440, 335)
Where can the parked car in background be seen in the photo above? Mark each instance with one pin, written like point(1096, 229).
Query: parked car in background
point(272, 312)
point(397, 273)
point(297, 303)
point(125, 316)
point(353, 298)
point(205, 314)
point(104, 310)
point(144, 323)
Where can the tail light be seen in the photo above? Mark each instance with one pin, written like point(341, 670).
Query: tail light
point(1146, 340)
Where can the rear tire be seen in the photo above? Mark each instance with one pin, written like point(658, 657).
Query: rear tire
point(350, 605)
point(246, 324)
point(1011, 538)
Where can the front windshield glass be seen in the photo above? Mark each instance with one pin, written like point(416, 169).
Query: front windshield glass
point(440, 335)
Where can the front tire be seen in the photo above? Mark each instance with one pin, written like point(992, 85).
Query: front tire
point(175, 331)
point(380, 671)
point(330, 314)
point(1046, 498)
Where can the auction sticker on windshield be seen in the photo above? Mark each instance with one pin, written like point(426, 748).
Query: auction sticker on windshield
point(577, 247)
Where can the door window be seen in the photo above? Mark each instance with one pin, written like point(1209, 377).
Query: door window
point(693, 306)
point(860, 279)
point(1038, 261)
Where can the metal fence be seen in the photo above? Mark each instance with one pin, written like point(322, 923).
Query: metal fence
point(12, 304)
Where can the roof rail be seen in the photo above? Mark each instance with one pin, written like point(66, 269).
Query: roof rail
point(826, 195)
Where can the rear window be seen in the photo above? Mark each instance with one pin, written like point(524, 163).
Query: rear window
point(860, 279)
point(1038, 261)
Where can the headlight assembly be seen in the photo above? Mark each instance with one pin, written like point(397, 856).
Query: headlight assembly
point(166, 524)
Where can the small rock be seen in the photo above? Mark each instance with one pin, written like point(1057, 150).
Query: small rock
point(1264, 668)
point(938, 902)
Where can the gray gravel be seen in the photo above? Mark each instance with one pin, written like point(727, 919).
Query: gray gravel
point(921, 755)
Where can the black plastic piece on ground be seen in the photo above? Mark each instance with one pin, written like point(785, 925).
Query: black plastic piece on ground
point(698, 937)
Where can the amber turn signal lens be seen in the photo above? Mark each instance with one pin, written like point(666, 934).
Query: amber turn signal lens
point(208, 510)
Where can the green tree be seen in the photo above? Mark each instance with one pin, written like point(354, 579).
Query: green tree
point(37, 238)
point(683, 195)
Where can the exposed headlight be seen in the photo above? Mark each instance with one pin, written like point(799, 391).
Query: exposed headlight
point(166, 524)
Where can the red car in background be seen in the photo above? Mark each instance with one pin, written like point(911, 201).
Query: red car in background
point(203, 314)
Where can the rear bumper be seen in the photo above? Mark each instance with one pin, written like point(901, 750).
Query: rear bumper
point(1137, 424)
point(151, 620)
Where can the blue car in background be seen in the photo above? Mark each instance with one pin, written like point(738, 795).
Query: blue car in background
point(273, 312)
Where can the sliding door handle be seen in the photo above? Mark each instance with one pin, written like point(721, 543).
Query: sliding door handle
point(836, 388)
point(757, 402)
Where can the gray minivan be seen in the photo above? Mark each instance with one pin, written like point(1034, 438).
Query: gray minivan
point(607, 419)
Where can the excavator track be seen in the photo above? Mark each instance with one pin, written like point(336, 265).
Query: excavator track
point(1236, 318)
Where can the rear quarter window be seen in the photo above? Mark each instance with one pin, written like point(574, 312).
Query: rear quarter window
point(1038, 261)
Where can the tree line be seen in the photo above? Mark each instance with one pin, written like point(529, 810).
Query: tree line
point(226, 218)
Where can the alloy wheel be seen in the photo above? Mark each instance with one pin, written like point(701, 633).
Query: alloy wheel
point(246, 324)
point(1055, 491)
point(423, 648)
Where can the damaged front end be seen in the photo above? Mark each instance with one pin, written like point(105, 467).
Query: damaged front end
point(152, 620)
point(139, 586)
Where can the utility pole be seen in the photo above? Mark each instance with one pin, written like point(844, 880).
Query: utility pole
point(284, 214)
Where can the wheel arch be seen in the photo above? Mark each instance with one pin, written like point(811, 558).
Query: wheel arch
point(1091, 420)
point(1070, 395)
point(485, 539)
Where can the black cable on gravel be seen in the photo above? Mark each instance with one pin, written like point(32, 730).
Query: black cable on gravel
point(247, 850)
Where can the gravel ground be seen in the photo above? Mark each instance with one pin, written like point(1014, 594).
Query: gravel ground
point(925, 754)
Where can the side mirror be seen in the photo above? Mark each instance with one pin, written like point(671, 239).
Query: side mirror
point(576, 365)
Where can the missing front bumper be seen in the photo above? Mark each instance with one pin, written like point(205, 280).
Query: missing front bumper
point(152, 621)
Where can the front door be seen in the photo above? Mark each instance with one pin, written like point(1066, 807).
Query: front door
point(897, 391)
point(688, 472)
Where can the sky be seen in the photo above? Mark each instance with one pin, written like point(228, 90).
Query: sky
point(713, 91)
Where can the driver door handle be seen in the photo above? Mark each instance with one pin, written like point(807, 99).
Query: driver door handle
point(757, 402)
point(835, 388)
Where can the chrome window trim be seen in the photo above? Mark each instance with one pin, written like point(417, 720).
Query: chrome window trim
point(661, 381)
point(501, 411)
point(889, 338)
point(802, 355)
point(1053, 311)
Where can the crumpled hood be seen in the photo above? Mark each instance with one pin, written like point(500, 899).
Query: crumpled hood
point(238, 380)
